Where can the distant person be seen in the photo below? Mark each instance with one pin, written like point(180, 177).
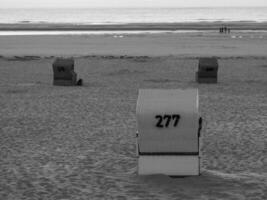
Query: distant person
point(222, 29)
point(229, 30)
point(225, 29)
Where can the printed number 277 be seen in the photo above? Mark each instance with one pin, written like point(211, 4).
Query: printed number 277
point(166, 120)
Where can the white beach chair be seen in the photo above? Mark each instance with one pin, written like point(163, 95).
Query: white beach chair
point(168, 132)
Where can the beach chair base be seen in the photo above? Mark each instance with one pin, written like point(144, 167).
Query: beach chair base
point(64, 82)
point(169, 165)
point(203, 79)
point(207, 80)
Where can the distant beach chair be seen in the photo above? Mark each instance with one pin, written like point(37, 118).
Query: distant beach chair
point(168, 132)
point(64, 74)
point(207, 70)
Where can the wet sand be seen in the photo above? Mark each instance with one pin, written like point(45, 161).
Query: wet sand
point(234, 25)
point(164, 44)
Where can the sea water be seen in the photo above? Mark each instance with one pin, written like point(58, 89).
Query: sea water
point(102, 16)
point(132, 15)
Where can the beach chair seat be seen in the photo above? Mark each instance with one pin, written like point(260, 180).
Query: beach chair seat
point(209, 74)
point(168, 132)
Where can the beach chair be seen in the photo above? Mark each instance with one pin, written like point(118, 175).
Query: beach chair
point(168, 132)
point(207, 70)
point(64, 74)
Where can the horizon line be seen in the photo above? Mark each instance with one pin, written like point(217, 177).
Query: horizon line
point(126, 7)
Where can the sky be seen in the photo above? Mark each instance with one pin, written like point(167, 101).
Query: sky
point(129, 3)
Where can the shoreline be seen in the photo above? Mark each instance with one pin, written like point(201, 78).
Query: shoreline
point(33, 57)
point(134, 26)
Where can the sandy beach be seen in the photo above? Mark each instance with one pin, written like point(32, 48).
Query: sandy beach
point(79, 142)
